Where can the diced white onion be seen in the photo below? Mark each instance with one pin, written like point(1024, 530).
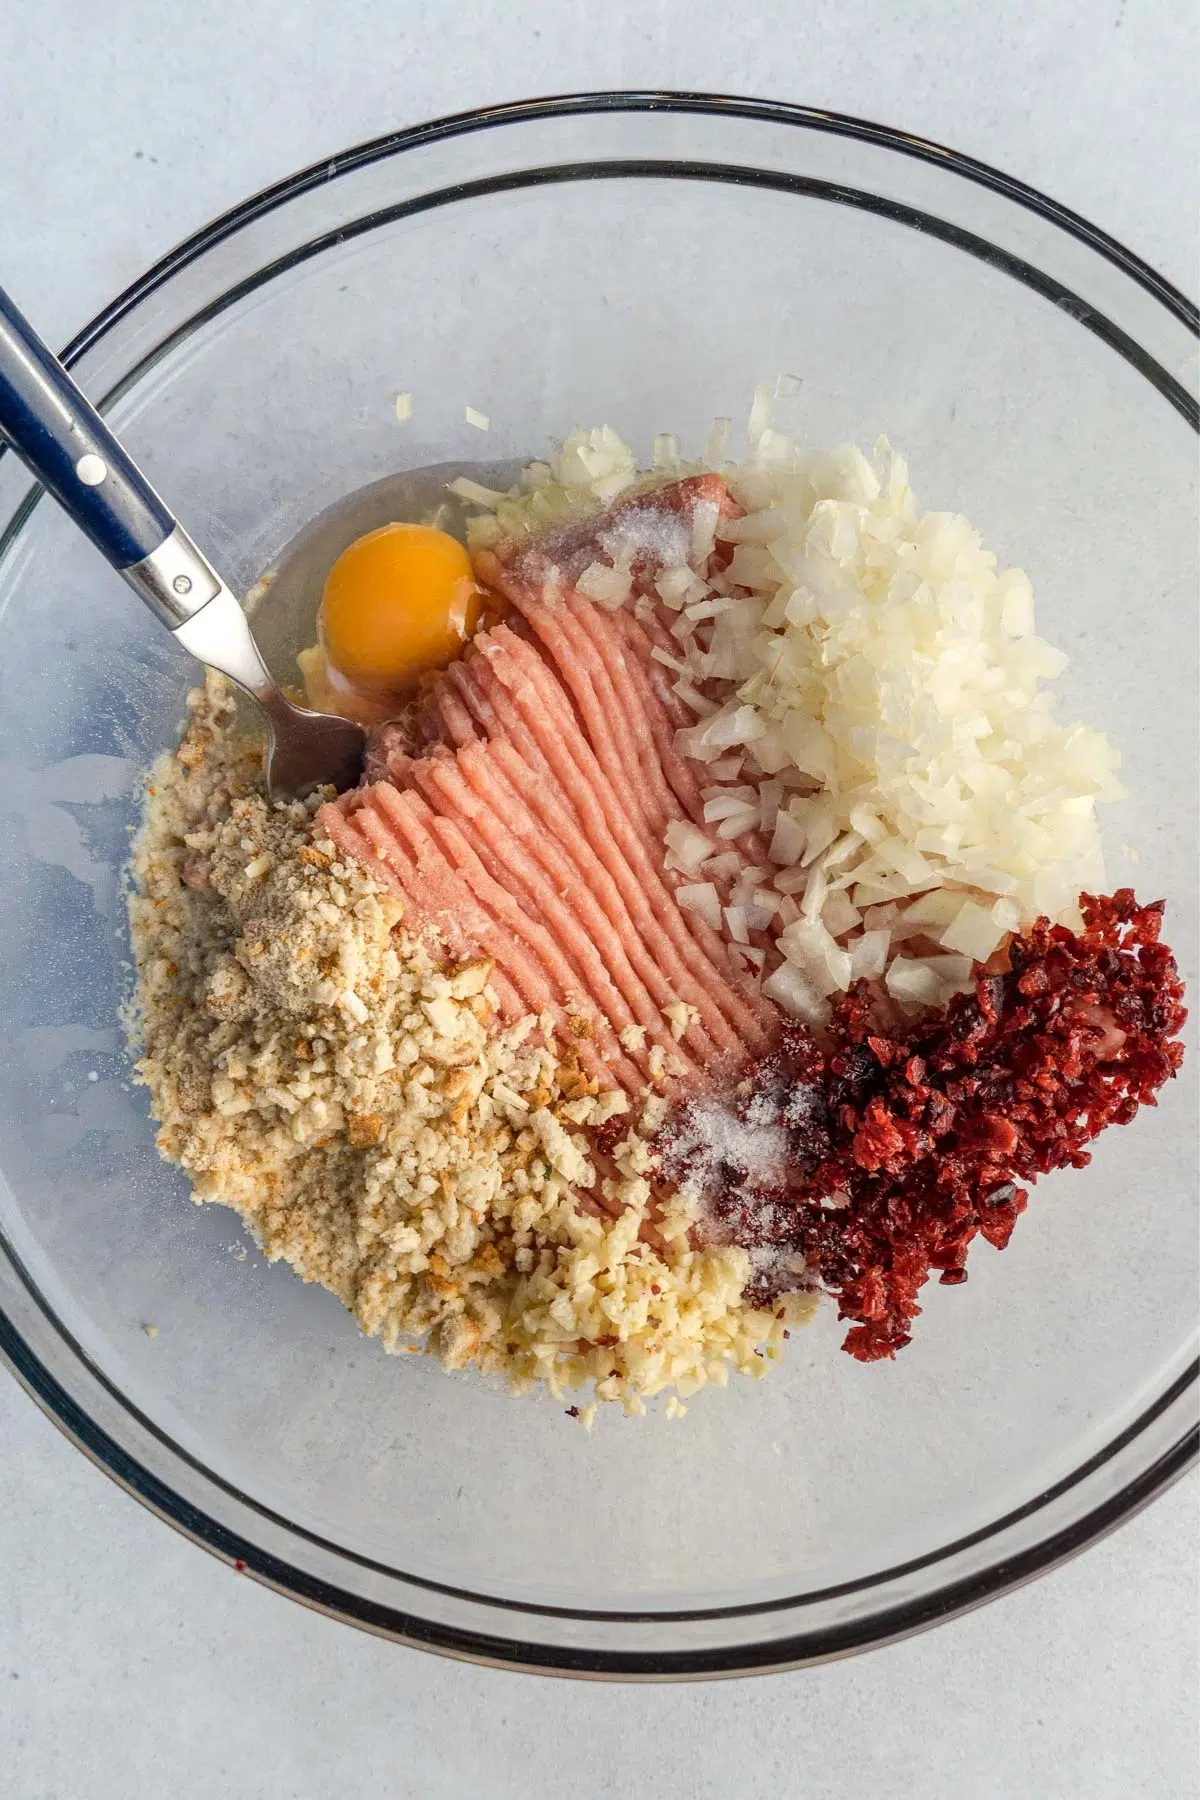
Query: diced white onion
point(745, 819)
point(838, 915)
point(809, 947)
point(736, 925)
point(748, 956)
point(880, 655)
point(793, 880)
point(473, 491)
point(609, 587)
point(722, 802)
point(688, 848)
point(787, 844)
point(704, 529)
point(701, 898)
point(789, 989)
point(718, 443)
point(957, 971)
point(813, 898)
point(914, 983)
point(659, 655)
point(869, 954)
point(1007, 915)
point(871, 678)
point(734, 725)
point(973, 932)
point(936, 908)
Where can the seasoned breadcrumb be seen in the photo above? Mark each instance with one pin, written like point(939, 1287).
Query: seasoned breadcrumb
point(316, 1067)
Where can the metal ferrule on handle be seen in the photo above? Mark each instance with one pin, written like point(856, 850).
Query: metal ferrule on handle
point(175, 580)
point(57, 431)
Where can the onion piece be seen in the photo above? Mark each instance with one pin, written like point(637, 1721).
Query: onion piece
point(787, 844)
point(809, 947)
point(838, 915)
point(869, 954)
point(789, 989)
point(688, 848)
point(736, 924)
point(973, 931)
point(701, 897)
point(609, 587)
point(914, 983)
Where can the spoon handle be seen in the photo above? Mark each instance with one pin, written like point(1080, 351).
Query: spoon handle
point(57, 432)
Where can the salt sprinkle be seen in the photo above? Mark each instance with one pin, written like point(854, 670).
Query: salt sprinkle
point(711, 1137)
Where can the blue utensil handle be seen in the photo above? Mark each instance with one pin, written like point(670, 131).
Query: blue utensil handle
point(60, 435)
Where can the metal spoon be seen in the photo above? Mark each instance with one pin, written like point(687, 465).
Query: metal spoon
point(66, 444)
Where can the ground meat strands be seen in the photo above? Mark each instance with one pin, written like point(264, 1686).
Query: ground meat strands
point(501, 851)
point(610, 881)
point(556, 983)
point(520, 808)
point(639, 977)
point(514, 695)
point(537, 699)
point(907, 1144)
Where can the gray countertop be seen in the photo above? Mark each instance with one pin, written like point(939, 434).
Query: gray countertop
point(130, 1662)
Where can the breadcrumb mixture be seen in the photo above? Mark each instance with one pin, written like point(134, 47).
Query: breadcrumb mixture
point(314, 1066)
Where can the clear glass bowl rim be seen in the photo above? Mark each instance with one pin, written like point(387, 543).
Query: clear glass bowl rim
point(897, 1621)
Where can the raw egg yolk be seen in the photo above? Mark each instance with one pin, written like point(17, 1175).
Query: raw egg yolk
point(398, 603)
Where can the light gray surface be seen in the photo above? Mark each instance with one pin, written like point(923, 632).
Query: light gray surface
point(129, 1661)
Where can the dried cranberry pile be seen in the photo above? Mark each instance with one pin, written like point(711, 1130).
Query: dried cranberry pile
point(904, 1144)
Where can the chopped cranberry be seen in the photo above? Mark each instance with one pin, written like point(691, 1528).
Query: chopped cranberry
point(908, 1143)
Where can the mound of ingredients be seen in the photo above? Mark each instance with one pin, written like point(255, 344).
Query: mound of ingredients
point(722, 926)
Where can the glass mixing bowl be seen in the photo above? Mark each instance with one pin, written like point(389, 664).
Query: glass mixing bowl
point(644, 260)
